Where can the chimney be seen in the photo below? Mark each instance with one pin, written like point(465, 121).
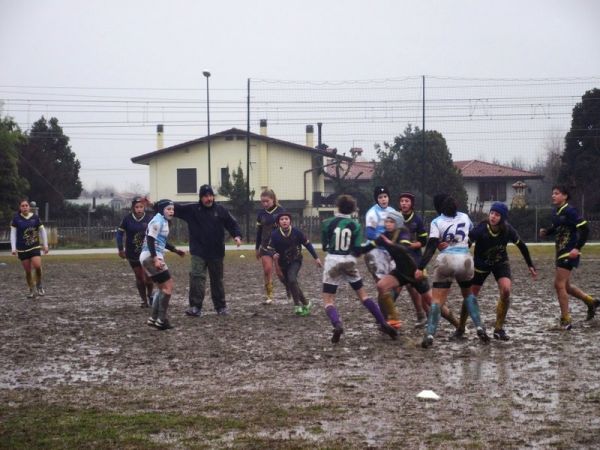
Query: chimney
point(159, 137)
point(356, 152)
point(310, 133)
point(263, 127)
point(319, 133)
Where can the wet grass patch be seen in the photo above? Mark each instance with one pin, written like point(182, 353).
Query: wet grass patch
point(50, 426)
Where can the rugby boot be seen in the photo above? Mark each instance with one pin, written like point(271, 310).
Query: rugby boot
point(389, 330)
point(566, 324)
point(427, 341)
point(482, 335)
point(337, 334)
point(298, 310)
point(458, 335)
point(306, 309)
point(40, 290)
point(591, 312)
point(163, 324)
point(501, 335)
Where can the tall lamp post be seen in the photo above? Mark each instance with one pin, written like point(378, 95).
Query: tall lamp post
point(207, 75)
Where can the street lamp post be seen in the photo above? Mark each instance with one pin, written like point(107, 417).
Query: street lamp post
point(207, 75)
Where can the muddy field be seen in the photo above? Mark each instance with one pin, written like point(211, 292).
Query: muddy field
point(273, 380)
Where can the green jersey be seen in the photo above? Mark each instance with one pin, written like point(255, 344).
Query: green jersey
point(341, 235)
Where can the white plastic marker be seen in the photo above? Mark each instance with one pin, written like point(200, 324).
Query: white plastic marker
point(242, 256)
point(428, 395)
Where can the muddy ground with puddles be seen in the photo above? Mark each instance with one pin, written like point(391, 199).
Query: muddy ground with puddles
point(85, 345)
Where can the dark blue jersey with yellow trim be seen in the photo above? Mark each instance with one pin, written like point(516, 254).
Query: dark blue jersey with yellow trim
point(134, 230)
point(416, 233)
point(490, 246)
point(266, 221)
point(28, 231)
point(288, 244)
point(569, 228)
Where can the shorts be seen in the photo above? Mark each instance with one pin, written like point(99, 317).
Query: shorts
point(265, 252)
point(567, 263)
point(134, 262)
point(24, 256)
point(338, 269)
point(500, 270)
point(379, 263)
point(421, 286)
point(157, 275)
point(453, 266)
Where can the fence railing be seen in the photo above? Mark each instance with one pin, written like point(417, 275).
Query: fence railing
point(105, 235)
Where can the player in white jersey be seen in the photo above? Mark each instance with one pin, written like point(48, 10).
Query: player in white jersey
point(152, 259)
point(450, 233)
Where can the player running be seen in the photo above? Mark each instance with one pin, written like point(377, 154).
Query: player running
point(286, 247)
point(265, 223)
point(571, 233)
point(26, 230)
point(133, 229)
point(341, 238)
point(416, 240)
point(450, 231)
point(491, 237)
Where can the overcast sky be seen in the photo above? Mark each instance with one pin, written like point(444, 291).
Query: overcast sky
point(141, 49)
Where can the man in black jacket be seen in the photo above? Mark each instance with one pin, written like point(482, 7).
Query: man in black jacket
point(207, 222)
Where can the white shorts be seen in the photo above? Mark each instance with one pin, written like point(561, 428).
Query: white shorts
point(379, 262)
point(148, 264)
point(340, 268)
point(453, 266)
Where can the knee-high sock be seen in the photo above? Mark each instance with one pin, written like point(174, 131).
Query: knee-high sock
point(163, 305)
point(333, 315)
point(38, 276)
point(374, 309)
point(269, 289)
point(155, 304)
point(501, 310)
point(387, 306)
point(464, 314)
point(449, 316)
point(433, 319)
point(29, 279)
point(473, 309)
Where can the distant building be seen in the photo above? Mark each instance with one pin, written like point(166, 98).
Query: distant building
point(486, 183)
point(293, 171)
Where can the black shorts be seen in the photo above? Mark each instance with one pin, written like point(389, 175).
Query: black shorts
point(134, 263)
point(567, 263)
point(161, 277)
point(421, 286)
point(264, 252)
point(500, 270)
point(24, 256)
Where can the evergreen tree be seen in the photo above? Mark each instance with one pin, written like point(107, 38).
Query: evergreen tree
point(12, 185)
point(405, 166)
point(237, 192)
point(47, 162)
point(581, 158)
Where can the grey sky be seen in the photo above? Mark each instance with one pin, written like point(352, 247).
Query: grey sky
point(133, 47)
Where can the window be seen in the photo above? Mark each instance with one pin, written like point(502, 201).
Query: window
point(186, 181)
point(492, 191)
point(224, 175)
